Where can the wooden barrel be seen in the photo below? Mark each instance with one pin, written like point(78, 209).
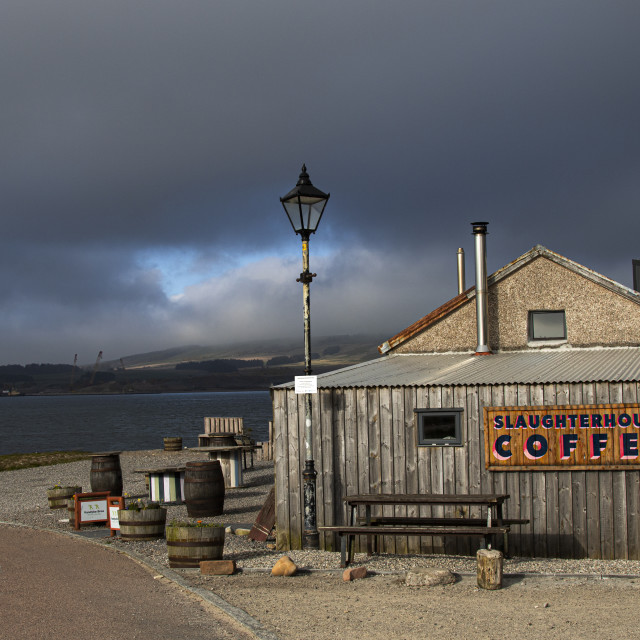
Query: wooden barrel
point(106, 474)
point(204, 489)
point(222, 439)
point(58, 497)
point(187, 547)
point(145, 524)
point(172, 444)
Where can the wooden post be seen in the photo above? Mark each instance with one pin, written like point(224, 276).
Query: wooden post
point(489, 568)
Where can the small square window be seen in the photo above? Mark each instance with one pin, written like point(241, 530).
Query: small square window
point(439, 427)
point(547, 325)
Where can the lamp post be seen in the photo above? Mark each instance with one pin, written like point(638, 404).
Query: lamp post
point(304, 206)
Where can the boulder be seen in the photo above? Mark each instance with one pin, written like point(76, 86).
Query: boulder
point(429, 577)
point(355, 573)
point(284, 567)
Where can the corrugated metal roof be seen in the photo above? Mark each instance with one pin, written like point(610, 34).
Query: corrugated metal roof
point(515, 367)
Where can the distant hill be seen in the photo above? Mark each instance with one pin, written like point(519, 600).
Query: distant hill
point(192, 368)
point(327, 350)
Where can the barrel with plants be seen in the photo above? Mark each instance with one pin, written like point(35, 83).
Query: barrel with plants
point(189, 544)
point(204, 489)
point(142, 521)
point(57, 496)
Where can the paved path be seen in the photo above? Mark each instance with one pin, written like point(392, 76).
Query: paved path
point(53, 586)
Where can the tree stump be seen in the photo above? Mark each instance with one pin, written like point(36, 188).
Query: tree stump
point(489, 568)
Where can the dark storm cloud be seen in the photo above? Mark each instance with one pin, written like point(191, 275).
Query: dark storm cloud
point(133, 129)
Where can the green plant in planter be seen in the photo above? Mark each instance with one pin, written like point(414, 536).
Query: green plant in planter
point(197, 523)
point(57, 487)
point(141, 505)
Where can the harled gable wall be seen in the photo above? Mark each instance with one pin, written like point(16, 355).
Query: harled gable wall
point(594, 315)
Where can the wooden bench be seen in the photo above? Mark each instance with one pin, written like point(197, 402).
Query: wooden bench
point(219, 425)
point(248, 445)
point(348, 533)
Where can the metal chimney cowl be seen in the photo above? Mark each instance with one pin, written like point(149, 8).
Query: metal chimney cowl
point(482, 313)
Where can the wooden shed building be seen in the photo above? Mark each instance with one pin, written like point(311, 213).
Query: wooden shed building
point(551, 416)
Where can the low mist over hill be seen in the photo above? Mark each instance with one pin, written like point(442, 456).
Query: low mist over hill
point(348, 349)
point(241, 366)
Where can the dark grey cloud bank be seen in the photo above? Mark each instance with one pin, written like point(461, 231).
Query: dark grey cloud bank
point(145, 145)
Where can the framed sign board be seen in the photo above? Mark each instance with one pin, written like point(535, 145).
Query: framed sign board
point(563, 437)
point(114, 504)
point(91, 508)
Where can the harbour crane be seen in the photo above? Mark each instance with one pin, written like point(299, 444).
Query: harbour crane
point(95, 368)
point(73, 372)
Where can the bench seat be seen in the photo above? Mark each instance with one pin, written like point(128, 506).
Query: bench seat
point(348, 533)
point(431, 521)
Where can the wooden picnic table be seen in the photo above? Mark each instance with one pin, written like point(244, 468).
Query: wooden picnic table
point(374, 526)
point(243, 448)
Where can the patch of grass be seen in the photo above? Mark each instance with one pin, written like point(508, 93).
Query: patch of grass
point(14, 461)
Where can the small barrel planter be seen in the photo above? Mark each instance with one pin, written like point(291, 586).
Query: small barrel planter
point(172, 444)
point(142, 524)
point(189, 545)
point(204, 489)
point(106, 473)
point(58, 496)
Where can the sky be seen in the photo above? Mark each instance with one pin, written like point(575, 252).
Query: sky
point(144, 147)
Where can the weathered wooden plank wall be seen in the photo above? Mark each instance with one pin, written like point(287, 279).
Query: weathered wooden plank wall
point(365, 442)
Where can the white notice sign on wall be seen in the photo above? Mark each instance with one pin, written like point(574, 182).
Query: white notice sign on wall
point(306, 384)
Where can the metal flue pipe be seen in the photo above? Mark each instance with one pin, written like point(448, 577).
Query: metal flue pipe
point(482, 313)
point(461, 277)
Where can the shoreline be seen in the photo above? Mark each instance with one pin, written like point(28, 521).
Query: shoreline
point(135, 393)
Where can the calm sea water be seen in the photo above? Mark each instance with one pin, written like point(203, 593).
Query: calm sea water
point(122, 422)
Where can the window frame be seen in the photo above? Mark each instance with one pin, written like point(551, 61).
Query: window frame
point(456, 412)
point(534, 312)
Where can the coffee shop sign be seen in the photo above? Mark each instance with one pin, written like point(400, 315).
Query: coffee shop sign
point(576, 436)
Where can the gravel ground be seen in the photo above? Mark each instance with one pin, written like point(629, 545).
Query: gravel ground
point(533, 602)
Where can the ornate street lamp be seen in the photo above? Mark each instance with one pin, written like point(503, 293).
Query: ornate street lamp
point(304, 206)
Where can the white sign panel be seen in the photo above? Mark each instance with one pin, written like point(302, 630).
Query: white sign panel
point(306, 384)
point(113, 514)
point(93, 510)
